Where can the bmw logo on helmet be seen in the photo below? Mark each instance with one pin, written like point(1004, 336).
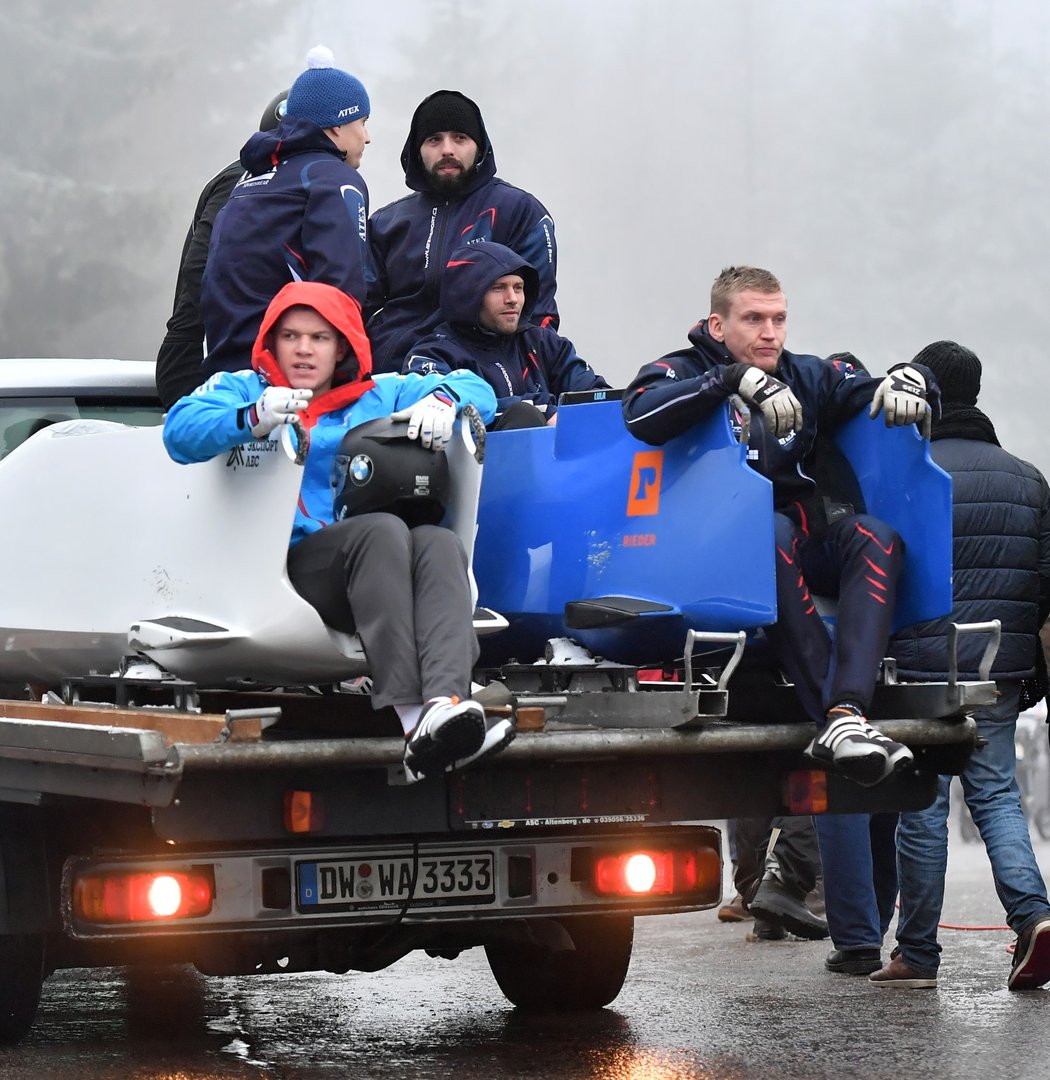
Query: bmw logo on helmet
point(379, 469)
point(361, 469)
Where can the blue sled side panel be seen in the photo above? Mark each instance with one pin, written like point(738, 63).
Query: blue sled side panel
point(583, 511)
point(902, 485)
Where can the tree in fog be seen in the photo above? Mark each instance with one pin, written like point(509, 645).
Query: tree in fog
point(90, 167)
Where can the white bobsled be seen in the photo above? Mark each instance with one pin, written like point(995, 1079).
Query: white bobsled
point(117, 551)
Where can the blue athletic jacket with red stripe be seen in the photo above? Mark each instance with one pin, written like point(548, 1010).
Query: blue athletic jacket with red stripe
point(299, 213)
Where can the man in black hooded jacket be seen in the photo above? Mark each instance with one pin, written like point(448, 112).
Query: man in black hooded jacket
point(457, 199)
point(487, 296)
point(1001, 570)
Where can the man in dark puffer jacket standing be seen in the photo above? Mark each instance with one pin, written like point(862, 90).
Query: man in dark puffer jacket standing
point(1001, 557)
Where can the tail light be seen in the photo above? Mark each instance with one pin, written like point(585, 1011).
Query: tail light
point(658, 872)
point(303, 812)
point(806, 792)
point(129, 897)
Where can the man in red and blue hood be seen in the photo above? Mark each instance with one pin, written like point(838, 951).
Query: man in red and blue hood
point(450, 166)
point(488, 293)
point(403, 589)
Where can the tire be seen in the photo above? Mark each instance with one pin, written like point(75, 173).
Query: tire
point(1042, 822)
point(537, 979)
point(22, 964)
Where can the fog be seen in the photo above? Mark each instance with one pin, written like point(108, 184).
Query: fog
point(886, 159)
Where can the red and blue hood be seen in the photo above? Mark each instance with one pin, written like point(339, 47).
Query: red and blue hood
point(353, 375)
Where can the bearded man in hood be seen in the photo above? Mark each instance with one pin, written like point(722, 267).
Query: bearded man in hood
point(457, 199)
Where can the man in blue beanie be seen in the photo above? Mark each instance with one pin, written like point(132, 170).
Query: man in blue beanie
point(181, 353)
point(487, 296)
point(458, 199)
point(299, 213)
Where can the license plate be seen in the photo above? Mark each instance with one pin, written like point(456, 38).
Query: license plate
point(389, 880)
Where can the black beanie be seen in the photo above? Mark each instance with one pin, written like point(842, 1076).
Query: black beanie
point(957, 369)
point(446, 110)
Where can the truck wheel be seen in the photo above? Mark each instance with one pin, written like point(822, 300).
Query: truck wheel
point(540, 980)
point(22, 964)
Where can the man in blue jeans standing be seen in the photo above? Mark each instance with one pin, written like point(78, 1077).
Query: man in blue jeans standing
point(1001, 556)
point(859, 856)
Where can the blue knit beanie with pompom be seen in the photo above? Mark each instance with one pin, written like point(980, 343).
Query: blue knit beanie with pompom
point(324, 94)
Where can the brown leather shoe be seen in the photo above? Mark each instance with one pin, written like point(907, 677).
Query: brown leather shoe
point(734, 911)
point(900, 974)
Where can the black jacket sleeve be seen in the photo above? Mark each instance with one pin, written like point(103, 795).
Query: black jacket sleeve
point(182, 350)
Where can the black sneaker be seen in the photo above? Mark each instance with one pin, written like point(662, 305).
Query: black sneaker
point(1031, 963)
point(853, 961)
point(897, 754)
point(775, 903)
point(449, 730)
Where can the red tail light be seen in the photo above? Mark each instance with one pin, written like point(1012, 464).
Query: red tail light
point(658, 872)
point(122, 897)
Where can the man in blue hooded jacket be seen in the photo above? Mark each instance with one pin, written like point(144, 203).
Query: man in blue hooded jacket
point(299, 214)
point(739, 349)
point(450, 167)
point(488, 293)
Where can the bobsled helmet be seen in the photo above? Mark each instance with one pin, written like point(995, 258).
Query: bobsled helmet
point(379, 468)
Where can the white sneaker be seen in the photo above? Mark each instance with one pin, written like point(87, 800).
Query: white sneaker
point(449, 729)
point(847, 744)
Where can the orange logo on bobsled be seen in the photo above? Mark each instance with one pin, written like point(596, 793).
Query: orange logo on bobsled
point(643, 497)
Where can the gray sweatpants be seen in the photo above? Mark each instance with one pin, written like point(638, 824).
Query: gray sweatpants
point(405, 591)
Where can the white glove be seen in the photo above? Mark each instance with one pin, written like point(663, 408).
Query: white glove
point(901, 396)
point(278, 405)
point(780, 407)
point(430, 420)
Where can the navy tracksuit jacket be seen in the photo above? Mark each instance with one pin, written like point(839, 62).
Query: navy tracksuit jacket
point(857, 558)
point(535, 364)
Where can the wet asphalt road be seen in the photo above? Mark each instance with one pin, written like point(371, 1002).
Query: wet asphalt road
point(700, 1003)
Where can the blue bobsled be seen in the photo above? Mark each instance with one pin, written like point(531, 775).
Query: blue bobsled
point(584, 531)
